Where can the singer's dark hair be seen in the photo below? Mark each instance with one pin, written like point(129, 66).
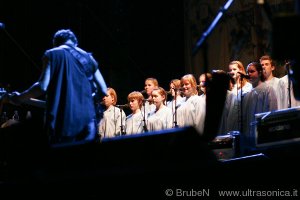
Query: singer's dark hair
point(63, 35)
point(258, 68)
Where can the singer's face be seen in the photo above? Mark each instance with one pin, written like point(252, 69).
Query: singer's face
point(108, 100)
point(134, 105)
point(233, 71)
point(172, 86)
point(187, 88)
point(158, 99)
point(202, 83)
point(253, 74)
point(149, 87)
point(267, 68)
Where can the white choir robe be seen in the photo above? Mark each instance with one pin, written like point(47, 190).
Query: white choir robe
point(275, 83)
point(231, 116)
point(148, 108)
point(224, 118)
point(134, 123)
point(192, 113)
point(161, 119)
point(284, 97)
point(261, 99)
point(110, 124)
point(235, 109)
point(171, 104)
point(245, 89)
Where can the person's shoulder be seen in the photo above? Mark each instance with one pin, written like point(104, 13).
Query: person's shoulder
point(276, 79)
point(54, 49)
point(81, 50)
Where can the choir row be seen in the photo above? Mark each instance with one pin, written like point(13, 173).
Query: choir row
point(252, 90)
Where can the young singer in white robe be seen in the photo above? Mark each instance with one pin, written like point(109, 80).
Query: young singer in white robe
point(261, 98)
point(135, 121)
point(110, 124)
point(192, 110)
point(161, 117)
point(176, 100)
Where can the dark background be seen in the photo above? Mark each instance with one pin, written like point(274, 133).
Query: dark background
point(131, 40)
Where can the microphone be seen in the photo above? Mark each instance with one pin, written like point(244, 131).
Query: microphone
point(289, 63)
point(2, 26)
point(143, 92)
point(221, 71)
point(122, 106)
point(244, 75)
point(149, 100)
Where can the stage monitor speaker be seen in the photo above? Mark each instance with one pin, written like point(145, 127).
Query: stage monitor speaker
point(279, 127)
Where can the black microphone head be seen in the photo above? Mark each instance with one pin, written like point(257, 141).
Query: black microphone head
point(122, 106)
point(244, 75)
point(143, 92)
point(149, 100)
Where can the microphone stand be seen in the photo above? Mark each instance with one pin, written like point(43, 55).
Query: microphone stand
point(289, 85)
point(241, 106)
point(289, 92)
point(175, 112)
point(144, 118)
point(122, 128)
point(211, 27)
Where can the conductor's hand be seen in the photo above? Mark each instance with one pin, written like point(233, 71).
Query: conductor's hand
point(14, 98)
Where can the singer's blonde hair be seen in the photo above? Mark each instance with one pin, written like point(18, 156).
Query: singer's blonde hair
point(136, 95)
point(153, 80)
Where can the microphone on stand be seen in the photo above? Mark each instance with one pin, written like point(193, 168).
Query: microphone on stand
point(221, 71)
point(149, 100)
point(122, 106)
point(244, 75)
point(143, 92)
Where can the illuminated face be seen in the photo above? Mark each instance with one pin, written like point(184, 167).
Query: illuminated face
point(108, 100)
point(149, 87)
point(158, 99)
point(187, 88)
point(202, 83)
point(267, 68)
point(254, 75)
point(134, 105)
point(233, 71)
point(172, 87)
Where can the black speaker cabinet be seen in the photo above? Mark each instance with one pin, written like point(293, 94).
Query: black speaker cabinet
point(278, 127)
